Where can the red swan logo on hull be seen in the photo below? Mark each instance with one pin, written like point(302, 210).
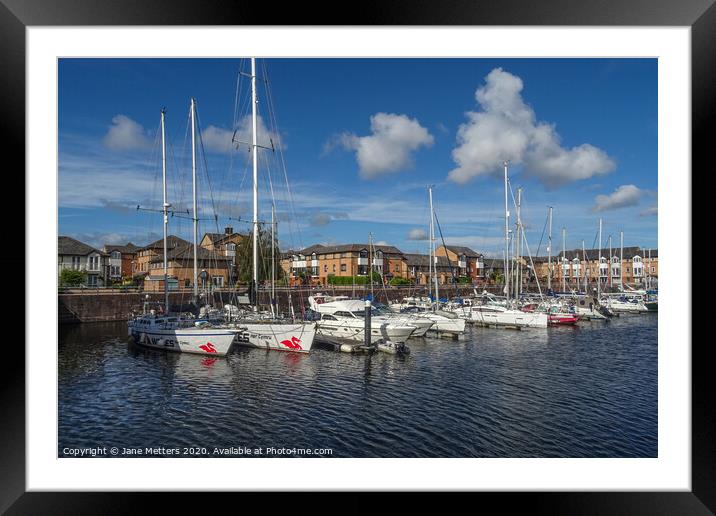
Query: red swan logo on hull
point(208, 347)
point(292, 344)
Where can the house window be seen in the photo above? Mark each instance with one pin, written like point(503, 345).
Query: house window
point(116, 255)
point(325, 268)
point(397, 268)
point(218, 281)
point(334, 267)
point(187, 283)
point(343, 267)
point(76, 262)
point(94, 263)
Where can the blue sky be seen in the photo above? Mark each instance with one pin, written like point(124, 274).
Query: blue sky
point(359, 141)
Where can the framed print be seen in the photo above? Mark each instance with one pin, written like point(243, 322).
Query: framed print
point(143, 376)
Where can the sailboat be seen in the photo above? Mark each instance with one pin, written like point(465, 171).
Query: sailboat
point(168, 331)
point(492, 314)
point(265, 330)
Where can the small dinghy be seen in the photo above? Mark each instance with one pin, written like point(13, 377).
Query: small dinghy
point(393, 348)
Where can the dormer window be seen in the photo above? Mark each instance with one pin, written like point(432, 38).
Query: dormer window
point(615, 259)
point(637, 259)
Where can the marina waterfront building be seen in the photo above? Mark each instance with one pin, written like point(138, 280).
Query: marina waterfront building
point(318, 264)
point(632, 266)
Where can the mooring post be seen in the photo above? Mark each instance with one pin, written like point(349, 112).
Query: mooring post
point(367, 329)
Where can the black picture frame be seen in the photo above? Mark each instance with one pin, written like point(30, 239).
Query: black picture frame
point(16, 15)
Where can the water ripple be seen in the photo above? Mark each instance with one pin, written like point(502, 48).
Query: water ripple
point(588, 391)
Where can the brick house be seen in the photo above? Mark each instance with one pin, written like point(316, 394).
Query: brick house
point(318, 262)
point(467, 263)
point(121, 260)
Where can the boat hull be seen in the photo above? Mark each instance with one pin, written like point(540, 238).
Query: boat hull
point(421, 324)
point(342, 330)
point(296, 338)
point(445, 325)
point(189, 340)
point(562, 319)
point(511, 318)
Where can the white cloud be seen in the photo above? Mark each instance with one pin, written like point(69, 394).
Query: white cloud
point(417, 234)
point(507, 129)
point(126, 134)
point(381, 242)
point(622, 197)
point(218, 139)
point(388, 149)
point(650, 212)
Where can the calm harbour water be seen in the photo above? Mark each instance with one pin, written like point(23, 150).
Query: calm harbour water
point(585, 391)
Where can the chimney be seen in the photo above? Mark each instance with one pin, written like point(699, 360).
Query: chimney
point(228, 230)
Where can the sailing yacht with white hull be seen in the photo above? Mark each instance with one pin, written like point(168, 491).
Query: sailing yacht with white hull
point(171, 332)
point(259, 331)
point(494, 315)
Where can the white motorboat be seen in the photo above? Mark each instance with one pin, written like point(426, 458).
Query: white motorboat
point(345, 318)
point(352, 327)
point(422, 324)
point(172, 333)
point(625, 304)
point(496, 315)
point(443, 321)
point(410, 302)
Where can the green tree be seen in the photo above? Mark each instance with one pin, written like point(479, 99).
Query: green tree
point(72, 278)
point(245, 258)
point(497, 277)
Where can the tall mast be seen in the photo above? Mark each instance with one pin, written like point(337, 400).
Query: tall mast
point(586, 265)
point(370, 263)
point(165, 208)
point(564, 259)
point(610, 261)
point(273, 257)
point(430, 246)
point(599, 266)
point(621, 259)
point(193, 190)
point(507, 239)
point(518, 246)
point(549, 252)
point(254, 143)
point(432, 242)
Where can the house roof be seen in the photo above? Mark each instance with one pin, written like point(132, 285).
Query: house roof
point(423, 260)
point(70, 246)
point(172, 241)
point(128, 248)
point(592, 254)
point(215, 238)
point(494, 263)
point(346, 248)
point(460, 250)
point(186, 252)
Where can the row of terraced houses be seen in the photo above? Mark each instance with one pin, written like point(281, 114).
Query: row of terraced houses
point(317, 264)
